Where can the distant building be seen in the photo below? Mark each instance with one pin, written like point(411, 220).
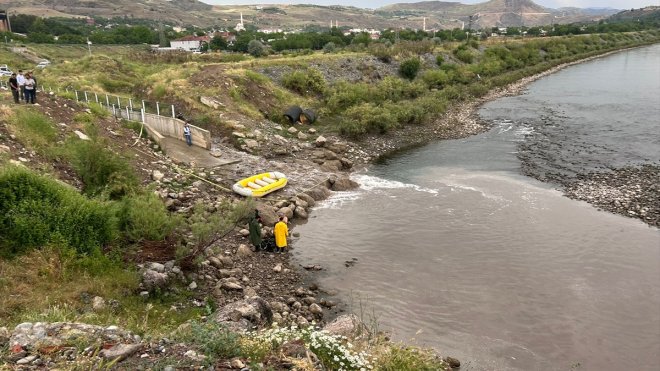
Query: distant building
point(4, 21)
point(190, 43)
point(270, 30)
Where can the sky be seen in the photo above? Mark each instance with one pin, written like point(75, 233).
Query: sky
point(616, 4)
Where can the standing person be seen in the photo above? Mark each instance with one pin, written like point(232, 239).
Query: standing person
point(13, 86)
point(29, 89)
point(21, 84)
point(281, 232)
point(36, 87)
point(254, 226)
point(187, 133)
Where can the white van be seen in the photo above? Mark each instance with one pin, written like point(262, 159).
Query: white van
point(4, 70)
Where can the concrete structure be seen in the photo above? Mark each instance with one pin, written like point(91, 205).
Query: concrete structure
point(190, 43)
point(4, 21)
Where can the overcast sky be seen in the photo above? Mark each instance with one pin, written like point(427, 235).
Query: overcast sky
point(617, 4)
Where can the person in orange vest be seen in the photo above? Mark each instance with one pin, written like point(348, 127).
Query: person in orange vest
point(281, 232)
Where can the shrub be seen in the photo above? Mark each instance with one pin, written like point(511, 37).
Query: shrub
point(144, 217)
point(367, 118)
point(330, 47)
point(306, 82)
point(435, 79)
point(36, 210)
point(439, 59)
point(99, 168)
point(33, 129)
point(344, 95)
point(98, 110)
point(334, 351)
point(212, 339)
point(410, 67)
point(256, 48)
point(382, 52)
point(464, 55)
point(395, 89)
point(405, 358)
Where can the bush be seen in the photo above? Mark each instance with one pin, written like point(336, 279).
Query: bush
point(344, 95)
point(439, 59)
point(99, 168)
point(212, 339)
point(367, 118)
point(256, 48)
point(409, 68)
point(405, 358)
point(144, 217)
point(330, 47)
point(33, 129)
point(305, 82)
point(464, 55)
point(435, 79)
point(36, 210)
point(382, 52)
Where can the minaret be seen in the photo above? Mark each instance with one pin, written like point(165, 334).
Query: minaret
point(241, 17)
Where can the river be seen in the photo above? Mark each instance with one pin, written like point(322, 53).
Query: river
point(455, 248)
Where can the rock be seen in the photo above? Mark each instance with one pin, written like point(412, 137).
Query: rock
point(286, 211)
point(342, 184)
point(216, 262)
point(26, 360)
point(307, 198)
point(192, 286)
point(215, 153)
point(226, 261)
point(238, 134)
point(211, 102)
point(301, 213)
point(156, 175)
point(232, 286)
point(98, 303)
point(302, 136)
point(160, 268)
point(251, 143)
point(244, 251)
point(245, 314)
point(348, 325)
point(320, 141)
point(237, 363)
point(81, 135)
point(120, 352)
point(452, 362)
point(332, 165)
point(292, 130)
point(244, 232)
point(346, 163)
point(194, 356)
point(294, 349)
point(318, 193)
point(311, 131)
point(4, 149)
point(277, 268)
point(268, 214)
point(154, 280)
point(316, 309)
point(302, 322)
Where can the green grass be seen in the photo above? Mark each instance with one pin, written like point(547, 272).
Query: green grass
point(33, 129)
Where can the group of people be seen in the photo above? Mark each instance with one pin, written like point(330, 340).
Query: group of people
point(23, 87)
point(280, 232)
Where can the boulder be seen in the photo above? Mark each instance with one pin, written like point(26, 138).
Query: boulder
point(157, 175)
point(152, 280)
point(318, 193)
point(301, 213)
point(307, 198)
point(120, 352)
point(316, 309)
point(320, 141)
point(268, 214)
point(244, 251)
point(342, 184)
point(286, 211)
point(348, 325)
point(251, 143)
point(302, 136)
point(98, 303)
point(252, 313)
point(81, 135)
point(332, 165)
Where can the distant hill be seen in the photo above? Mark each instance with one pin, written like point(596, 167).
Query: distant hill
point(648, 13)
point(438, 14)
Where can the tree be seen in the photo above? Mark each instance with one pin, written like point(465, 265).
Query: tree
point(256, 48)
point(218, 43)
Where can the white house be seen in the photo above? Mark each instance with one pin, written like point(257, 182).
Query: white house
point(189, 43)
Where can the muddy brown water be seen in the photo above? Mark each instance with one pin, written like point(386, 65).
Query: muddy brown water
point(459, 251)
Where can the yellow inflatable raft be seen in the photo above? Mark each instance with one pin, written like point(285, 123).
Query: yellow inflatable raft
point(260, 185)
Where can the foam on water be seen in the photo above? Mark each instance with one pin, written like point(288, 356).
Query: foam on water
point(370, 183)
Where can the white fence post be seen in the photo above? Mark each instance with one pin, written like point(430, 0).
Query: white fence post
point(76, 95)
point(130, 102)
point(114, 111)
point(128, 114)
point(107, 100)
point(86, 100)
point(96, 96)
point(157, 109)
point(143, 108)
point(142, 112)
point(118, 103)
point(173, 112)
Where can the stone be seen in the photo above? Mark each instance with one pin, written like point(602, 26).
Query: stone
point(311, 131)
point(4, 149)
point(342, 184)
point(4, 336)
point(238, 134)
point(268, 214)
point(300, 213)
point(244, 232)
point(307, 198)
point(232, 286)
point(26, 360)
point(251, 143)
point(98, 303)
point(81, 135)
point(332, 165)
point(320, 141)
point(237, 363)
point(316, 309)
point(348, 325)
point(154, 280)
point(120, 352)
point(346, 163)
point(286, 211)
point(157, 175)
point(292, 130)
point(216, 262)
point(226, 261)
point(309, 300)
point(244, 251)
point(194, 355)
point(302, 136)
point(452, 362)
point(192, 286)
point(277, 268)
point(160, 268)
point(245, 314)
